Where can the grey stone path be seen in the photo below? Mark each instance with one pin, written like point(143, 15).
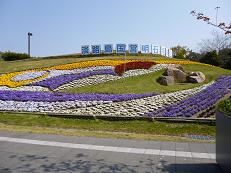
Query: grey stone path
point(56, 153)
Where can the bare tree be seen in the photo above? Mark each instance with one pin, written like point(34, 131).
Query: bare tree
point(218, 42)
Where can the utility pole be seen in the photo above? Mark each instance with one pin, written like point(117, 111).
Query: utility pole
point(29, 35)
point(217, 13)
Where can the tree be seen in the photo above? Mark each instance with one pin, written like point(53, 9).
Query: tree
point(218, 42)
point(179, 51)
point(211, 58)
point(228, 64)
point(225, 55)
point(193, 56)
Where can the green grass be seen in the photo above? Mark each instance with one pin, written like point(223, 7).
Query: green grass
point(132, 126)
point(147, 83)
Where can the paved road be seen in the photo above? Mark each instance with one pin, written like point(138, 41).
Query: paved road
point(25, 152)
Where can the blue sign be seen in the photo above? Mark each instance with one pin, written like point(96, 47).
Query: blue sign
point(169, 53)
point(155, 49)
point(162, 50)
point(95, 49)
point(120, 48)
point(145, 48)
point(108, 48)
point(85, 49)
point(133, 48)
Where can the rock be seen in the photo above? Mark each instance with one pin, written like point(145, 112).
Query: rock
point(179, 75)
point(196, 77)
point(179, 67)
point(166, 80)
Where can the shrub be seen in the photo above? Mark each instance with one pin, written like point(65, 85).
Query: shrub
point(12, 56)
point(225, 106)
point(179, 52)
point(211, 58)
point(193, 56)
point(225, 55)
point(227, 64)
point(119, 69)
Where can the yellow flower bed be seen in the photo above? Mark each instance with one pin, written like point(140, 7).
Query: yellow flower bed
point(84, 64)
point(5, 80)
point(183, 62)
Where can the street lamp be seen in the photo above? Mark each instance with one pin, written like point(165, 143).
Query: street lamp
point(29, 35)
point(217, 13)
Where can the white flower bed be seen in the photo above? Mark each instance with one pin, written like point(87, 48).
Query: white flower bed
point(92, 80)
point(28, 76)
point(31, 106)
point(96, 79)
point(24, 88)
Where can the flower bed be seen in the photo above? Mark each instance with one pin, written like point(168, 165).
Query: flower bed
point(120, 69)
point(58, 96)
point(8, 79)
point(96, 79)
point(28, 76)
point(29, 91)
point(55, 73)
point(55, 82)
point(138, 107)
point(91, 104)
point(201, 101)
point(84, 64)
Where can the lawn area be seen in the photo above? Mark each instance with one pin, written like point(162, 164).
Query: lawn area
point(147, 83)
point(137, 127)
point(12, 66)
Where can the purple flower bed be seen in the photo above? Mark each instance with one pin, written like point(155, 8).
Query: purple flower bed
point(55, 82)
point(58, 96)
point(194, 104)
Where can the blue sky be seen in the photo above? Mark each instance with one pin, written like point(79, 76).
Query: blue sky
point(62, 26)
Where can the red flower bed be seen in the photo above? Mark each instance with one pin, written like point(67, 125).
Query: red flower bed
point(120, 69)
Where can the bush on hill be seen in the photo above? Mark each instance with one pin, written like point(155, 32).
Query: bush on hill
point(225, 106)
point(211, 58)
point(12, 56)
point(225, 55)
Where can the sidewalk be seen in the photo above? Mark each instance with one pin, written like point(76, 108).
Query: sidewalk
point(55, 153)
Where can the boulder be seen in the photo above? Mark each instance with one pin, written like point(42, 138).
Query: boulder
point(178, 75)
point(195, 77)
point(178, 67)
point(166, 80)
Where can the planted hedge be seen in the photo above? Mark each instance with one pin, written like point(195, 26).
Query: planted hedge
point(225, 106)
point(12, 56)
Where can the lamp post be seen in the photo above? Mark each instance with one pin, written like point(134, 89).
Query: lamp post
point(124, 61)
point(217, 13)
point(29, 35)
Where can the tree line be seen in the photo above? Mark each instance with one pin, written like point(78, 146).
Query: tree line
point(215, 51)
